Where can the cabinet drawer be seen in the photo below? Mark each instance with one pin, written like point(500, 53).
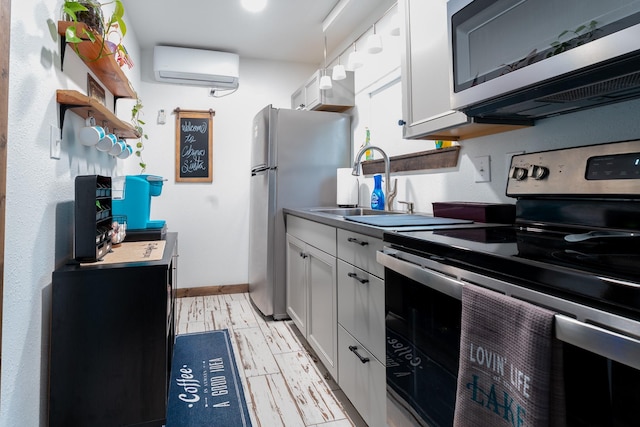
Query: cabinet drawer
point(360, 250)
point(363, 383)
point(317, 235)
point(361, 307)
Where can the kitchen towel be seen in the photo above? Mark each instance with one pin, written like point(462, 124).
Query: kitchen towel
point(510, 363)
point(347, 188)
point(206, 389)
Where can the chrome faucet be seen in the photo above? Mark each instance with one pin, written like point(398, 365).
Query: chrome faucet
point(389, 195)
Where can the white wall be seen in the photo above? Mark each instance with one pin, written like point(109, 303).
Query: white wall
point(39, 205)
point(212, 218)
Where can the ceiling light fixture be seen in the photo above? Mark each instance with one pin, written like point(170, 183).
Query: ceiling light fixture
point(254, 5)
point(355, 59)
point(339, 73)
point(374, 42)
point(325, 81)
point(395, 25)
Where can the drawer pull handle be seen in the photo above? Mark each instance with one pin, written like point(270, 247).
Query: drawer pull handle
point(355, 276)
point(359, 242)
point(354, 349)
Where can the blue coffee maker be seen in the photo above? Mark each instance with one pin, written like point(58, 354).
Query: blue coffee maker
point(135, 204)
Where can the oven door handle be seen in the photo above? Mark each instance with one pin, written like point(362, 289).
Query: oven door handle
point(614, 346)
point(437, 281)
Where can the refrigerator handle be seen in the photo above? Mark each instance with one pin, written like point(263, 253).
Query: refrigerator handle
point(259, 169)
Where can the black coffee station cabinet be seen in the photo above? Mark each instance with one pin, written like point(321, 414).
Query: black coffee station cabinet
point(112, 335)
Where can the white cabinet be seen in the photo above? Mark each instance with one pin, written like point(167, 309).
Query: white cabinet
point(360, 311)
point(297, 283)
point(335, 296)
point(425, 69)
point(339, 98)
point(322, 316)
point(426, 82)
point(312, 287)
point(362, 378)
point(361, 325)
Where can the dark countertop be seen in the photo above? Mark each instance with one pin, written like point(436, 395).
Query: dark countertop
point(338, 221)
point(314, 214)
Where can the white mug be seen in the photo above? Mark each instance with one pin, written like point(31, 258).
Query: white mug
point(91, 134)
point(128, 150)
point(106, 143)
point(117, 148)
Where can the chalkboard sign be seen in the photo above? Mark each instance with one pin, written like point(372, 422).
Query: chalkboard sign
point(194, 143)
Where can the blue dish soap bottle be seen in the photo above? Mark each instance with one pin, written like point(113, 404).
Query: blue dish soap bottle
point(377, 196)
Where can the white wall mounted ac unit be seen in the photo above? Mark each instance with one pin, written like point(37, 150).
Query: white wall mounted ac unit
point(197, 67)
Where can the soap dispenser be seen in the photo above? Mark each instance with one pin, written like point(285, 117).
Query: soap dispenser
point(377, 196)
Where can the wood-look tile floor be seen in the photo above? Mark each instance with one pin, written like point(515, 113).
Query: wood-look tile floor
point(283, 382)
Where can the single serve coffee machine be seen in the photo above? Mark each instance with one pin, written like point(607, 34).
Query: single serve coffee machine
point(135, 205)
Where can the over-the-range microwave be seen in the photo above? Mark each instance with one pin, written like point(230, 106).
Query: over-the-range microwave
point(529, 59)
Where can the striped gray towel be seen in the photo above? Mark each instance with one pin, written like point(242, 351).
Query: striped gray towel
point(507, 356)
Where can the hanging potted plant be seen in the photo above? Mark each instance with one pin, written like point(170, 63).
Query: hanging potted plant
point(138, 126)
point(89, 12)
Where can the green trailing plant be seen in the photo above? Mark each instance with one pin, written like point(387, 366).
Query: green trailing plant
point(138, 124)
point(90, 13)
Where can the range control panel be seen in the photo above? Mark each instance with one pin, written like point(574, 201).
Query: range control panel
point(604, 170)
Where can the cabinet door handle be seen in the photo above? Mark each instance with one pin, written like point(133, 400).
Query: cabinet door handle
point(359, 279)
point(303, 255)
point(359, 242)
point(354, 349)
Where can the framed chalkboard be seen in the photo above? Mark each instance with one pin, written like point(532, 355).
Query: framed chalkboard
point(194, 146)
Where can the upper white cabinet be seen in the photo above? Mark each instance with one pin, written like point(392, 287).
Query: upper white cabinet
point(426, 86)
point(339, 98)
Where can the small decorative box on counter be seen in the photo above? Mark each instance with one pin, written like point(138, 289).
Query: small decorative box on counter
point(501, 213)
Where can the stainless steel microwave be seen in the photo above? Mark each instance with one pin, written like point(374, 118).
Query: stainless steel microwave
point(528, 59)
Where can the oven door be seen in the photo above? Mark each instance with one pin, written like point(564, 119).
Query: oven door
point(423, 346)
point(423, 311)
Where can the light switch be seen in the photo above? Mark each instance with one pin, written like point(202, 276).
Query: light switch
point(482, 166)
point(55, 142)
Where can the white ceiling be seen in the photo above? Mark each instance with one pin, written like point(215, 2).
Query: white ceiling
point(287, 30)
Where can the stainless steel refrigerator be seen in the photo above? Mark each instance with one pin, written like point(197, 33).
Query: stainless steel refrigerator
point(294, 157)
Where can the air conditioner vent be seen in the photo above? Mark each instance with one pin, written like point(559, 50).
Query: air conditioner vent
point(219, 70)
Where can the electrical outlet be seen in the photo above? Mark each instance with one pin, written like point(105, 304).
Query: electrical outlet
point(482, 168)
point(55, 141)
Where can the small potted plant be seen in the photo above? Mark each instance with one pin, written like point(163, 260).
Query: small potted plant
point(90, 13)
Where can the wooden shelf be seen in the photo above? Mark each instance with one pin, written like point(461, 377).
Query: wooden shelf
point(432, 159)
point(106, 68)
point(82, 105)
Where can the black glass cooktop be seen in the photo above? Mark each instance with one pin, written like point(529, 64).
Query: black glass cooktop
point(602, 272)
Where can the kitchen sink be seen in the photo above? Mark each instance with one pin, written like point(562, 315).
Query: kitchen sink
point(354, 211)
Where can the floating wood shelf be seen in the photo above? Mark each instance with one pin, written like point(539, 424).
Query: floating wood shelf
point(106, 68)
point(432, 159)
point(84, 106)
